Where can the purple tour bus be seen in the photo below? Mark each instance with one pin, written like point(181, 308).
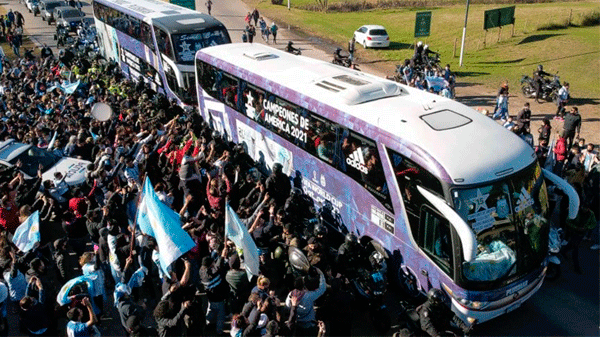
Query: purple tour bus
point(156, 41)
point(458, 202)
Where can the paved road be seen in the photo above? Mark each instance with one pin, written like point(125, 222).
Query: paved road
point(568, 306)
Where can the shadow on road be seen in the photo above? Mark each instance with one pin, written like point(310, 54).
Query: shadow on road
point(488, 100)
point(583, 101)
point(470, 73)
point(538, 37)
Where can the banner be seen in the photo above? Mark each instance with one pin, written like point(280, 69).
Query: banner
point(163, 224)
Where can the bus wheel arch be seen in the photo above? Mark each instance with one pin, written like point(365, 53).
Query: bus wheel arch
point(408, 281)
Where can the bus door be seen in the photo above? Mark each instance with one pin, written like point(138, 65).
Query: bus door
point(439, 227)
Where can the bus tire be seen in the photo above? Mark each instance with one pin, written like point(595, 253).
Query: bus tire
point(553, 272)
point(408, 283)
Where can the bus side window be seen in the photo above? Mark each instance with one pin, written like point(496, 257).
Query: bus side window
point(436, 238)
point(361, 162)
point(252, 103)
point(207, 78)
point(164, 42)
point(228, 90)
point(147, 36)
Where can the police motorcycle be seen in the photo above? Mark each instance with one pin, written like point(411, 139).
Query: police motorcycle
point(409, 318)
point(291, 49)
point(550, 88)
point(371, 284)
point(343, 60)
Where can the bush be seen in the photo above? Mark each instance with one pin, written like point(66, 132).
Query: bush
point(590, 19)
point(554, 25)
point(277, 2)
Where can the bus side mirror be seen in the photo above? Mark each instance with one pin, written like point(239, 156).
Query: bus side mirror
point(466, 234)
point(568, 189)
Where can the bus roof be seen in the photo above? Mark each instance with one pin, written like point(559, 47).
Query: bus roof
point(149, 8)
point(465, 142)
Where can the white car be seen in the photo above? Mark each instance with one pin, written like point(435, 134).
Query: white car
point(32, 6)
point(371, 36)
point(31, 156)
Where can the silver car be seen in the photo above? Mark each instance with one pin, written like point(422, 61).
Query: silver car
point(47, 9)
point(68, 17)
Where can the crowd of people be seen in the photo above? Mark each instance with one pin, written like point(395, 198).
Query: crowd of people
point(564, 153)
point(92, 263)
point(255, 21)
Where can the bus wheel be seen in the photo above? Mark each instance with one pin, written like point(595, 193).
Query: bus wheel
point(408, 283)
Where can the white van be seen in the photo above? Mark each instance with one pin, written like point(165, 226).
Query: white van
point(32, 156)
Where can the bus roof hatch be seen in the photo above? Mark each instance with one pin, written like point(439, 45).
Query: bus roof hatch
point(353, 89)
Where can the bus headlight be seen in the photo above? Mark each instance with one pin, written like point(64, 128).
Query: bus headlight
point(471, 320)
point(473, 305)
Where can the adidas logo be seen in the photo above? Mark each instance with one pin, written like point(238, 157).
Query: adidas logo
point(357, 160)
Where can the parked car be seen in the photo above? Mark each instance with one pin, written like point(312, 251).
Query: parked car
point(47, 9)
point(68, 17)
point(31, 157)
point(371, 36)
point(33, 6)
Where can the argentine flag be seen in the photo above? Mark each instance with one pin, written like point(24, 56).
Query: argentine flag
point(238, 233)
point(162, 223)
point(27, 234)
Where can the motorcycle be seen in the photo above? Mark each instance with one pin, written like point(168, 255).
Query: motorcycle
point(550, 88)
point(410, 322)
point(290, 49)
point(371, 285)
point(398, 76)
point(344, 61)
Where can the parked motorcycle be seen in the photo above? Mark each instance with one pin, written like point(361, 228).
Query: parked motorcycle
point(290, 49)
point(549, 88)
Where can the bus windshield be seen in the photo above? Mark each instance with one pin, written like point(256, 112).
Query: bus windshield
point(509, 218)
point(186, 45)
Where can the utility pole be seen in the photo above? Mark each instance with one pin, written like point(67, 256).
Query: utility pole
point(462, 44)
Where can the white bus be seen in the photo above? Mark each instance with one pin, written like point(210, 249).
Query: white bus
point(156, 41)
point(459, 202)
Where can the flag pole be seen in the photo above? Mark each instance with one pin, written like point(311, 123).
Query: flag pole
point(131, 245)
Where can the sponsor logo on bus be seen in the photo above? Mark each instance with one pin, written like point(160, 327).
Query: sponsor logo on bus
point(357, 160)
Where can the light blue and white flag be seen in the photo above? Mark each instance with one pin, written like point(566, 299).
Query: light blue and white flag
point(238, 233)
point(163, 224)
point(27, 234)
point(69, 88)
point(63, 295)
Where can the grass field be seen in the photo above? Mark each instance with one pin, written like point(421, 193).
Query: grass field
point(489, 58)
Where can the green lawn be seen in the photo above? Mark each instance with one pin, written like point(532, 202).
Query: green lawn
point(574, 52)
